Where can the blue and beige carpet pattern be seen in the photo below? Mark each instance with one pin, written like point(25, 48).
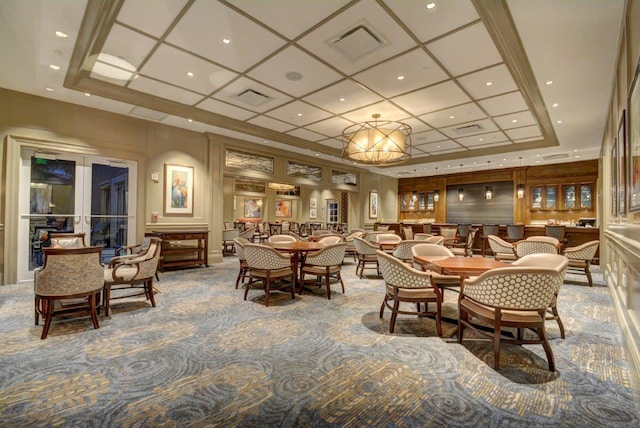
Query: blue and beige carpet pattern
point(205, 357)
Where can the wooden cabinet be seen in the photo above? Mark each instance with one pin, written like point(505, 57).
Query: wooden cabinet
point(563, 197)
point(182, 249)
point(416, 201)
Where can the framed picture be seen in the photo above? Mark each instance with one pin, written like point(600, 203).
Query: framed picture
point(633, 137)
point(178, 189)
point(313, 203)
point(614, 179)
point(283, 208)
point(313, 212)
point(253, 208)
point(622, 166)
point(373, 204)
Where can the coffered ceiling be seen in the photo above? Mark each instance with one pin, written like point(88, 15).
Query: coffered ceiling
point(479, 82)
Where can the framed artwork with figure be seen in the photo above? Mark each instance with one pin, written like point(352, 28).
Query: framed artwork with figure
point(373, 204)
point(178, 189)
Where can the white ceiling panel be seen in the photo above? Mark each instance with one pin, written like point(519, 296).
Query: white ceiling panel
point(332, 142)
point(298, 113)
point(307, 135)
point(230, 92)
point(151, 16)
point(516, 120)
point(225, 109)
point(454, 115)
point(277, 13)
point(428, 137)
point(343, 96)
point(526, 132)
point(394, 40)
point(267, 122)
point(466, 50)
point(330, 126)
point(489, 82)
point(483, 139)
point(416, 68)
point(440, 96)
point(465, 129)
point(169, 92)
point(172, 65)
point(428, 24)
point(128, 45)
point(439, 146)
point(504, 104)
point(206, 23)
point(416, 125)
point(385, 109)
point(314, 74)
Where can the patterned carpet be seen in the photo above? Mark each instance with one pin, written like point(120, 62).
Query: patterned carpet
point(205, 357)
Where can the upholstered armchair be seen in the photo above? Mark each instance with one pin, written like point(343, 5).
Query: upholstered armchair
point(239, 244)
point(68, 273)
point(426, 249)
point(502, 250)
point(465, 248)
point(516, 297)
point(282, 238)
point(580, 258)
point(330, 239)
point(529, 246)
point(228, 235)
point(403, 250)
point(67, 240)
point(366, 254)
point(404, 284)
point(421, 236)
point(135, 272)
point(351, 248)
point(326, 264)
point(388, 241)
point(268, 267)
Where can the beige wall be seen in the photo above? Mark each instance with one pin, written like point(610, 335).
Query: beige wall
point(620, 244)
point(32, 121)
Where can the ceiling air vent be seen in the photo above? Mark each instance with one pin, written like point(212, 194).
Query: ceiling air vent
point(404, 173)
point(357, 42)
point(148, 113)
point(468, 129)
point(556, 157)
point(252, 97)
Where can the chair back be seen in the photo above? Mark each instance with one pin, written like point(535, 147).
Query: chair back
point(239, 243)
point(67, 240)
point(330, 239)
point(499, 245)
point(381, 228)
point(515, 231)
point(230, 234)
point(320, 232)
point(314, 226)
point(403, 250)
point(426, 228)
point(350, 237)
point(297, 237)
point(388, 238)
point(262, 257)
point(527, 247)
point(331, 255)
point(463, 230)
point(226, 225)
point(247, 234)
point(421, 236)
point(556, 262)
point(549, 239)
point(448, 232)
point(425, 249)
point(373, 236)
point(398, 274)
point(275, 228)
point(490, 229)
point(556, 231)
point(364, 247)
point(282, 238)
point(286, 226)
point(351, 231)
point(586, 251)
point(438, 240)
point(408, 232)
point(69, 271)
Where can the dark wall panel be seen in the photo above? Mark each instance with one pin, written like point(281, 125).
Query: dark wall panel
point(476, 209)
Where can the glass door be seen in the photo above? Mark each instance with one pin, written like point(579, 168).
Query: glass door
point(71, 193)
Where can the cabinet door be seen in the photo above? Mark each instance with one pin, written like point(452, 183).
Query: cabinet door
point(551, 196)
point(585, 196)
point(569, 197)
point(536, 198)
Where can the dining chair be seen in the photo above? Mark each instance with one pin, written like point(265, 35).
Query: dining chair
point(488, 229)
point(259, 233)
point(408, 232)
point(465, 248)
point(438, 240)
point(580, 258)
point(553, 262)
point(325, 263)
point(366, 254)
point(388, 241)
point(228, 235)
point(269, 268)
point(275, 229)
point(515, 232)
point(70, 282)
point(239, 244)
point(426, 228)
point(67, 240)
point(372, 236)
point(330, 239)
point(557, 231)
point(528, 246)
point(403, 250)
point(404, 284)
point(320, 232)
point(426, 249)
point(421, 236)
point(125, 273)
point(463, 231)
point(298, 237)
point(501, 249)
point(549, 239)
point(516, 297)
point(351, 248)
point(282, 238)
point(136, 250)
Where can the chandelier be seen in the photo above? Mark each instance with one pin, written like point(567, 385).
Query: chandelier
point(377, 143)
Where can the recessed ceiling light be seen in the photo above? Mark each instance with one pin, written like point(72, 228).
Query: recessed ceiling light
point(61, 34)
point(489, 83)
point(342, 99)
point(87, 94)
point(50, 89)
point(554, 105)
point(293, 76)
point(504, 159)
point(438, 146)
point(576, 156)
point(501, 165)
point(480, 139)
point(549, 82)
point(190, 74)
point(190, 120)
point(54, 67)
point(226, 41)
point(400, 77)
point(514, 121)
point(317, 154)
point(537, 161)
point(430, 5)
point(559, 121)
point(299, 114)
point(452, 117)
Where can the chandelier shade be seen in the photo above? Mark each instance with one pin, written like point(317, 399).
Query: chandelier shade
point(377, 143)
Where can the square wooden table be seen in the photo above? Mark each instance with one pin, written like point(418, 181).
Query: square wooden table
point(296, 248)
point(460, 266)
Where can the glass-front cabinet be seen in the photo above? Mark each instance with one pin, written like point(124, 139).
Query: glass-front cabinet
point(586, 191)
point(569, 197)
point(551, 196)
point(536, 198)
point(572, 196)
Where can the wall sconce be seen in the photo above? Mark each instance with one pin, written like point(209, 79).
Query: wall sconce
point(414, 195)
point(460, 194)
point(436, 195)
point(488, 193)
point(520, 191)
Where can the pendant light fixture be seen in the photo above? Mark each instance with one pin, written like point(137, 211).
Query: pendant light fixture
point(461, 189)
point(436, 192)
point(488, 190)
point(520, 187)
point(378, 142)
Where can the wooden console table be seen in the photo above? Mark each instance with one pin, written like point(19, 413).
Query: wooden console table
point(182, 249)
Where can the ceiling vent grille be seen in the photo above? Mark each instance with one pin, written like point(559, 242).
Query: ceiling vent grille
point(404, 173)
point(148, 113)
point(468, 129)
point(252, 97)
point(357, 42)
point(556, 157)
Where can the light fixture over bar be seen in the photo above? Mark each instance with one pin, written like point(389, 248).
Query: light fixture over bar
point(377, 143)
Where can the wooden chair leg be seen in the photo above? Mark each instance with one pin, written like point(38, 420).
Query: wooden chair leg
point(46, 313)
point(547, 349)
point(149, 286)
point(92, 311)
point(496, 341)
point(106, 298)
point(554, 310)
point(384, 303)
point(37, 312)
point(394, 315)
